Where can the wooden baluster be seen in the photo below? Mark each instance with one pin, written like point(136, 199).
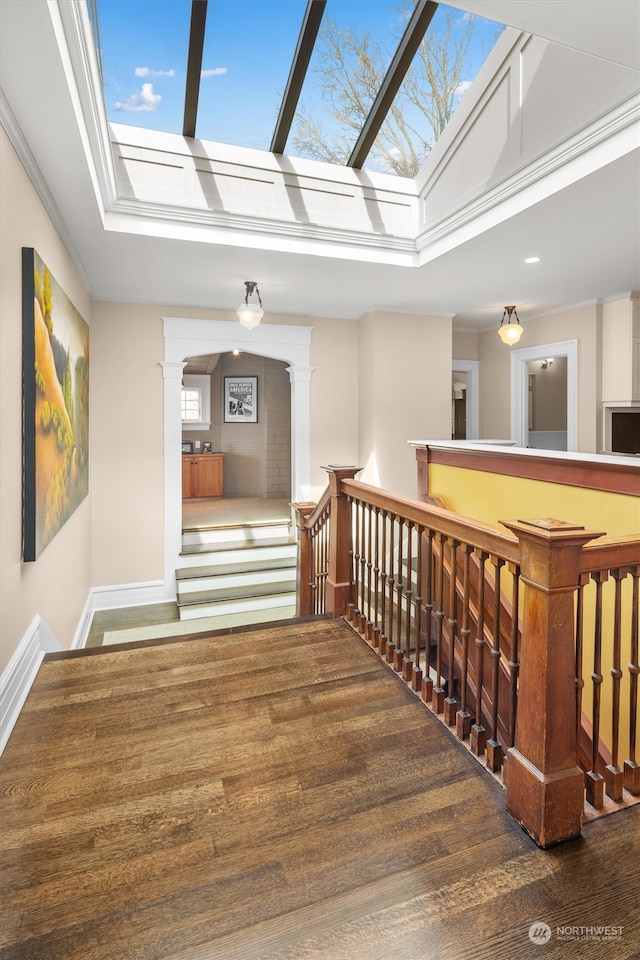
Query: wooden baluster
point(594, 781)
point(631, 768)
point(544, 784)
point(390, 645)
point(450, 702)
point(382, 638)
point(463, 717)
point(613, 776)
point(357, 530)
point(316, 570)
point(494, 749)
point(375, 629)
point(579, 667)
point(407, 663)
point(416, 680)
point(478, 733)
point(400, 584)
point(514, 665)
point(363, 567)
point(426, 691)
point(325, 564)
point(437, 696)
point(370, 564)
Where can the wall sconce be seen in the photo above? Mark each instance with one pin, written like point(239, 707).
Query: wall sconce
point(546, 363)
point(511, 331)
point(250, 314)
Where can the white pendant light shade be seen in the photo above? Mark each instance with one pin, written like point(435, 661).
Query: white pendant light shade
point(250, 314)
point(511, 331)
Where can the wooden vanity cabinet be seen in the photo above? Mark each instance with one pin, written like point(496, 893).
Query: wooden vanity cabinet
point(202, 475)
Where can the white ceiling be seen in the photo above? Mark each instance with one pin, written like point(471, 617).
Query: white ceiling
point(587, 235)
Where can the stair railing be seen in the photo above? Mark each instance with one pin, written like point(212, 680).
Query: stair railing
point(483, 625)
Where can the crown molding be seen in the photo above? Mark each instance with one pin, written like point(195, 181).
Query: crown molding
point(17, 139)
point(617, 121)
point(396, 250)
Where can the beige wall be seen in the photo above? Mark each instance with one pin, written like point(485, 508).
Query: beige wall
point(56, 586)
point(465, 345)
point(583, 324)
point(127, 428)
point(405, 394)
point(127, 444)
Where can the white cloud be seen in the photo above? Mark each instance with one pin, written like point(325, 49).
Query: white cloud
point(462, 88)
point(216, 72)
point(145, 100)
point(148, 72)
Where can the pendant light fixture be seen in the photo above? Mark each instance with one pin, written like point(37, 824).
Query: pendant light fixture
point(511, 331)
point(250, 314)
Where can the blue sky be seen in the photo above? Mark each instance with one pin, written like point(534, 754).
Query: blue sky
point(249, 45)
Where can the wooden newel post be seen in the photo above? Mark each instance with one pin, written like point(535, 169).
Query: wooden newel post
point(304, 605)
point(545, 786)
point(338, 593)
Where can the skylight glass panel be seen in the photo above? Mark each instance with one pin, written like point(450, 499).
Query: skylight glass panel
point(248, 49)
point(448, 60)
point(143, 51)
point(355, 46)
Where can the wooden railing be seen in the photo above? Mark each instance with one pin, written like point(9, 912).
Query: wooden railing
point(489, 629)
point(609, 575)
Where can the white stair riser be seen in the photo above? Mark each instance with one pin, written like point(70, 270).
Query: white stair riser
point(198, 584)
point(241, 536)
point(225, 607)
point(202, 558)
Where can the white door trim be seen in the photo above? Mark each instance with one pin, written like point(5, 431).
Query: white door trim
point(472, 370)
point(519, 388)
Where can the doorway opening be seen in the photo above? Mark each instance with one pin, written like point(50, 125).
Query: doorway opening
point(523, 398)
point(185, 338)
point(465, 400)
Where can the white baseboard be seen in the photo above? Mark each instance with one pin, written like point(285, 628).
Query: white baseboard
point(84, 625)
point(20, 673)
point(129, 595)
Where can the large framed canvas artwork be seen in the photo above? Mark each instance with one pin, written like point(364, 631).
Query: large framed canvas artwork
point(55, 380)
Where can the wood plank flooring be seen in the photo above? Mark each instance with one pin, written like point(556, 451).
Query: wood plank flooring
point(276, 794)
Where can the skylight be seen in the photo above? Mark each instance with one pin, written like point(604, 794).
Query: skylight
point(367, 98)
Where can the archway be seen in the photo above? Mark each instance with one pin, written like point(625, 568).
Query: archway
point(186, 337)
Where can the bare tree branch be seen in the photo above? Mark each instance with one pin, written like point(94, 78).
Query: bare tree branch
point(352, 67)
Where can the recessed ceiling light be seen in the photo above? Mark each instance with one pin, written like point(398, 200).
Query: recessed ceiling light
point(532, 260)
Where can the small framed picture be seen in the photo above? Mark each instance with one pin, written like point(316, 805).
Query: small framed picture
point(187, 446)
point(240, 399)
point(206, 446)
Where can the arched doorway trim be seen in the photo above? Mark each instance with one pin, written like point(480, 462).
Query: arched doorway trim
point(184, 337)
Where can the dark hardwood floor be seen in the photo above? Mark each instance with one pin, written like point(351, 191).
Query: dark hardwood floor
point(278, 794)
